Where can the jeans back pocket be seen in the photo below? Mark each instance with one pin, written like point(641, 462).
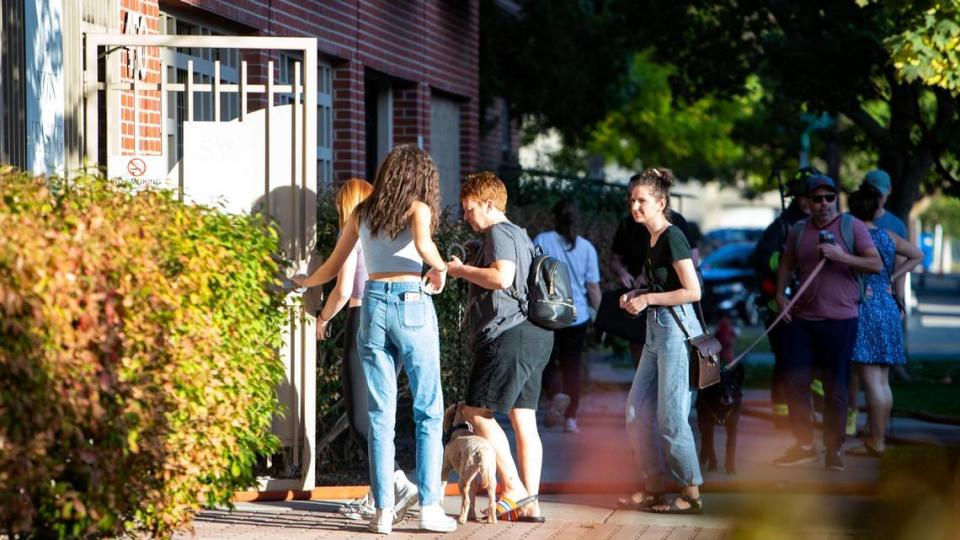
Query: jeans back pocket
point(412, 313)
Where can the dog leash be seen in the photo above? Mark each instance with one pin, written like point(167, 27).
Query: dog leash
point(800, 291)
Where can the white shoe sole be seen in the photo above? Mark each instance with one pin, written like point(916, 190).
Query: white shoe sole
point(798, 463)
point(380, 529)
point(439, 526)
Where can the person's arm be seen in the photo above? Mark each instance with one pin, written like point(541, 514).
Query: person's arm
point(913, 256)
point(593, 295)
point(339, 296)
point(623, 276)
point(866, 260)
point(592, 276)
point(330, 267)
point(689, 290)
point(420, 219)
point(498, 275)
point(638, 300)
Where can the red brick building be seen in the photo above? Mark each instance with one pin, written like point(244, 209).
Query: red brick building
point(390, 72)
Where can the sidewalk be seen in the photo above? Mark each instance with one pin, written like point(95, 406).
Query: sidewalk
point(583, 474)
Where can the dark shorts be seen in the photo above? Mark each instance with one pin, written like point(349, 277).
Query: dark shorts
point(507, 371)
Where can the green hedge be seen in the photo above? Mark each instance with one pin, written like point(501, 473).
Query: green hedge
point(137, 357)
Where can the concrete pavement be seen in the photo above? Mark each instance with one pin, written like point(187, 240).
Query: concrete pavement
point(584, 473)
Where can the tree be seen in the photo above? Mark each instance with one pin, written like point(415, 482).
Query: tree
point(833, 57)
point(927, 51)
point(556, 62)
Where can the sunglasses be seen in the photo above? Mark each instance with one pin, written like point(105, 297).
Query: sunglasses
point(830, 197)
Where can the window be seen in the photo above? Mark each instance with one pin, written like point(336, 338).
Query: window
point(288, 62)
point(176, 61)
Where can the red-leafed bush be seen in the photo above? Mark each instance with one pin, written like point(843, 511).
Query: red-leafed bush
point(138, 362)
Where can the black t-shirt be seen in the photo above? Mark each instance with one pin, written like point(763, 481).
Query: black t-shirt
point(672, 246)
point(632, 240)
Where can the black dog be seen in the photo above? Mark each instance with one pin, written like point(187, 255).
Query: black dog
point(720, 405)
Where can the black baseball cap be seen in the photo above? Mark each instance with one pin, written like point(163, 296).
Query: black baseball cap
point(817, 181)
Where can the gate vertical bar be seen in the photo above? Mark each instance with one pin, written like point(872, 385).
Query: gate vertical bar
point(266, 121)
point(309, 172)
point(91, 98)
point(243, 90)
point(296, 197)
point(216, 91)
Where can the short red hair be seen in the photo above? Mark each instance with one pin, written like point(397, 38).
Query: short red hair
point(485, 186)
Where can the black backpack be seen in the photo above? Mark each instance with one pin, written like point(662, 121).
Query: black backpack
point(549, 294)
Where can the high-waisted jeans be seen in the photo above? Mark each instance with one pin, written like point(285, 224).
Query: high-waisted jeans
point(399, 324)
point(658, 405)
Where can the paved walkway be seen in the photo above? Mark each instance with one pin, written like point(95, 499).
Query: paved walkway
point(584, 473)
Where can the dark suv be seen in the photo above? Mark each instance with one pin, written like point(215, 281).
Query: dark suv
point(729, 283)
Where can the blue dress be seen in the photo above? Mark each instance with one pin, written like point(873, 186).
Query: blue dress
point(880, 334)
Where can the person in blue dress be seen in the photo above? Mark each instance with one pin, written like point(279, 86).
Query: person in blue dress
point(879, 342)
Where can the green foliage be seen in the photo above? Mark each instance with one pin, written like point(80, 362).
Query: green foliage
point(944, 211)
point(138, 360)
point(927, 51)
point(655, 126)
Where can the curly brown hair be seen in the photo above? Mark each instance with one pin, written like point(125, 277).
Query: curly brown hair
point(406, 175)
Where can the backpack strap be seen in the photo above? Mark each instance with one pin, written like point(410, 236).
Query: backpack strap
point(536, 251)
point(847, 234)
point(798, 228)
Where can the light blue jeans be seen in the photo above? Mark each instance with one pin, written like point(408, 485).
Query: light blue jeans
point(658, 405)
point(400, 325)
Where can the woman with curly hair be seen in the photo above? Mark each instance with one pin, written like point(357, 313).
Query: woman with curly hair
point(394, 226)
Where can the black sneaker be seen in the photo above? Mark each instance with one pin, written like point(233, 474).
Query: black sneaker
point(833, 461)
point(797, 455)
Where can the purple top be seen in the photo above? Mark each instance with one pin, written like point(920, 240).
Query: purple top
point(834, 293)
point(359, 275)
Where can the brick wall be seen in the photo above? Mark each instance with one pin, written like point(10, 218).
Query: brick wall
point(147, 103)
point(425, 45)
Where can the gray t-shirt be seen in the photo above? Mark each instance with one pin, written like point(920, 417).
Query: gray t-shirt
point(493, 312)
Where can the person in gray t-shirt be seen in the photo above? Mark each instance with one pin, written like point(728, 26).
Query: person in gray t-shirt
point(510, 352)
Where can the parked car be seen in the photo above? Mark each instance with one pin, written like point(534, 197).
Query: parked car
point(729, 283)
point(718, 238)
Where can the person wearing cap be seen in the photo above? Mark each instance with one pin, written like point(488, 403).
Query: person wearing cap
point(880, 180)
point(766, 262)
point(823, 322)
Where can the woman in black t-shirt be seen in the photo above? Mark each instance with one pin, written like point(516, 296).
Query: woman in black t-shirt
point(660, 397)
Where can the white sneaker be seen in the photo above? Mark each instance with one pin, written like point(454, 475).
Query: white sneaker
point(359, 509)
point(433, 518)
point(382, 522)
point(571, 426)
point(406, 495)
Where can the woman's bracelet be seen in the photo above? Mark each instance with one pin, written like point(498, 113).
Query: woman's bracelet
point(444, 270)
point(320, 316)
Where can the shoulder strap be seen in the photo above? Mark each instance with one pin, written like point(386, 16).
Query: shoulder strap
point(847, 233)
point(799, 227)
point(658, 287)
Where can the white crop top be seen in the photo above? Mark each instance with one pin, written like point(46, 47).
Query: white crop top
point(383, 254)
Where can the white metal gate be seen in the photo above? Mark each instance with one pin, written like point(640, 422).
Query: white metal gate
point(288, 195)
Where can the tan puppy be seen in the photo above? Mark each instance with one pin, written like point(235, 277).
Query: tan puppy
point(474, 460)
